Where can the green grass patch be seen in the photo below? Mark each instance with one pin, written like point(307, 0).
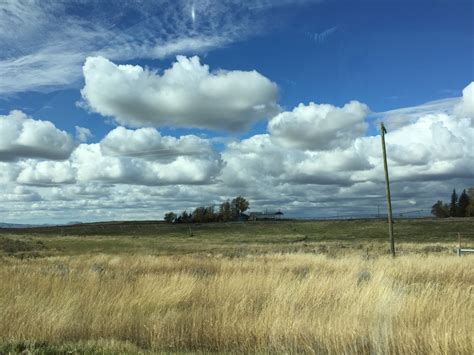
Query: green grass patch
point(230, 239)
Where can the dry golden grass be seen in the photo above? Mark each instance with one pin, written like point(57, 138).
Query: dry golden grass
point(279, 303)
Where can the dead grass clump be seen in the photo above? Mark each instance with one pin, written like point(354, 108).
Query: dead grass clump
point(437, 248)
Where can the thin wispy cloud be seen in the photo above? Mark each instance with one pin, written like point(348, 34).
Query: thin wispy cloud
point(264, 4)
point(46, 42)
point(403, 116)
point(322, 37)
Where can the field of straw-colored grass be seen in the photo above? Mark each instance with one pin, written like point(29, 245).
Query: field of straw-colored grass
point(279, 303)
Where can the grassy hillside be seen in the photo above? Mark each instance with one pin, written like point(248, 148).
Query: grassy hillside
point(234, 238)
point(326, 287)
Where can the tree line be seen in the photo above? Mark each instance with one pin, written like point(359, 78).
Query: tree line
point(225, 212)
point(459, 206)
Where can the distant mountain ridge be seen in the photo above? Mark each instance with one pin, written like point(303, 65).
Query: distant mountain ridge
point(13, 225)
point(17, 225)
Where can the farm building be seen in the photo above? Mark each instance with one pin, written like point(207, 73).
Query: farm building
point(263, 216)
point(243, 217)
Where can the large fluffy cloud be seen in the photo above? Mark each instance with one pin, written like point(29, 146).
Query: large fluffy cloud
point(259, 160)
point(92, 165)
point(319, 127)
point(336, 167)
point(149, 144)
point(133, 157)
point(466, 107)
point(186, 95)
point(46, 173)
point(24, 137)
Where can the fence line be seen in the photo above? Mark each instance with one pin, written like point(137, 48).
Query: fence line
point(462, 250)
point(398, 215)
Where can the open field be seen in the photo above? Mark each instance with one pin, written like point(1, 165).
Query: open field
point(278, 287)
point(234, 239)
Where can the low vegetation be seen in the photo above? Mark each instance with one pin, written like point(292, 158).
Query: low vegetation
point(278, 303)
point(264, 287)
point(20, 248)
point(236, 238)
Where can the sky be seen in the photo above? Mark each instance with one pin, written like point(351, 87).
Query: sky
point(124, 110)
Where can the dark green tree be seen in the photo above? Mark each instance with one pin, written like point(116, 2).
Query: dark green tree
point(225, 211)
point(453, 207)
point(240, 204)
point(463, 204)
point(209, 215)
point(440, 210)
point(170, 217)
point(199, 215)
point(185, 217)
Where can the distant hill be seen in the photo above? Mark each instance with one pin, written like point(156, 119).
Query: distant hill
point(72, 223)
point(12, 225)
point(15, 225)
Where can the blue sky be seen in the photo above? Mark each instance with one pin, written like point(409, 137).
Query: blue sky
point(387, 55)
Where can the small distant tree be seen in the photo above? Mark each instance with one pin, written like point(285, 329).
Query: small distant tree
point(199, 215)
point(225, 212)
point(209, 215)
point(453, 207)
point(463, 203)
point(228, 211)
point(440, 210)
point(170, 217)
point(240, 204)
point(185, 217)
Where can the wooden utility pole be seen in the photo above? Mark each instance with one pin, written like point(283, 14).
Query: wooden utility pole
point(387, 188)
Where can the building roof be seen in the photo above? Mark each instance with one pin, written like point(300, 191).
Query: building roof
point(266, 214)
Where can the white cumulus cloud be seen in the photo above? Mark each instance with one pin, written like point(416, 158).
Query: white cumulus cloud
point(83, 134)
point(46, 173)
point(24, 137)
point(466, 107)
point(319, 127)
point(187, 95)
point(149, 144)
point(92, 165)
